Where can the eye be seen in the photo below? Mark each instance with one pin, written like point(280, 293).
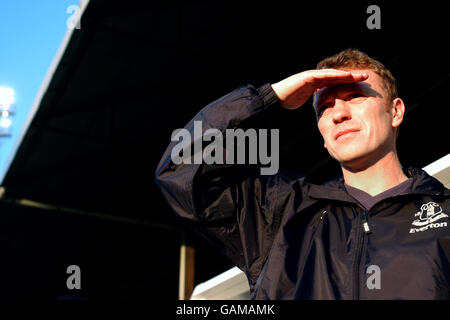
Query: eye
point(355, 95)
point(322, 108)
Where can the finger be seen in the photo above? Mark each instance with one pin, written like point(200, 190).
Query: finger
point(360, 75)
point(330, 80)
point(331, 74)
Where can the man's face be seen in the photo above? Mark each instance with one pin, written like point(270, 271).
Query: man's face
point(355, 120)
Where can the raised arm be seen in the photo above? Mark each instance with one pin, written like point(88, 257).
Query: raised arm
point(235, 204)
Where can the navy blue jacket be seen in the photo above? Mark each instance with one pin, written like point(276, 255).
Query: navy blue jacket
point(297, 240)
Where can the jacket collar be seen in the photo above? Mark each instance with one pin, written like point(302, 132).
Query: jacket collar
point(331, 190)
point(423, 183)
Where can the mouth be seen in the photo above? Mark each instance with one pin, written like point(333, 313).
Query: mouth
point(344, 132)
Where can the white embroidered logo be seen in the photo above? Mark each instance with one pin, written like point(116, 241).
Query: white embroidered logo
point(428, 214)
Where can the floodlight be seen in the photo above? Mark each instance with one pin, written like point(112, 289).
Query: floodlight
point(6, 112)
point(6, 98)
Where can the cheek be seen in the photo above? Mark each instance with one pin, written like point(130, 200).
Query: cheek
point(324, 130)
point(376, 124)
point(379, 116)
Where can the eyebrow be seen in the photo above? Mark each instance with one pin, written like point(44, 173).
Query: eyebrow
point(351, 87)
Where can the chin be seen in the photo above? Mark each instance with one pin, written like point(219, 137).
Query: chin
point(348, 153)
point(358, 162)
point(354, 161)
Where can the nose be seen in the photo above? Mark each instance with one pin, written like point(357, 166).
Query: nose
point(341, 111)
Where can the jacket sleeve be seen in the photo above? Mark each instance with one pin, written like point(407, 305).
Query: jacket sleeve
point(231, 204)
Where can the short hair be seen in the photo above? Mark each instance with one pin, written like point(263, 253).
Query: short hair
point(355, 59)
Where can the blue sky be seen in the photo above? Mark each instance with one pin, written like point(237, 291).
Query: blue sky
point(31, 31)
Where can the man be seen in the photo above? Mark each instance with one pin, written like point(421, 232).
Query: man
point(379, 232)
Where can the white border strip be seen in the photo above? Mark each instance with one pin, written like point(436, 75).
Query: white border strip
point(217, 280)
point(438, 165)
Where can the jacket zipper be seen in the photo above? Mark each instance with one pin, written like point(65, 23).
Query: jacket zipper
point(365, 223)
point(360, 236)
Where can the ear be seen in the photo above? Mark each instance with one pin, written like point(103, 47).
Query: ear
point(398, 112)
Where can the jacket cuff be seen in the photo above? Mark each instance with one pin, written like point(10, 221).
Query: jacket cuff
point(268, 95)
